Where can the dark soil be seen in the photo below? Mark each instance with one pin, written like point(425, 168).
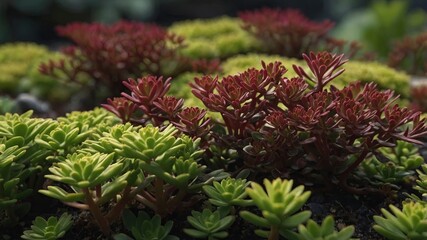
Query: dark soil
point(346, 208)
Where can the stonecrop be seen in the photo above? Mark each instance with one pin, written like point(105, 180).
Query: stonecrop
point(104, 55)
point(289, 33)
point(300, 125)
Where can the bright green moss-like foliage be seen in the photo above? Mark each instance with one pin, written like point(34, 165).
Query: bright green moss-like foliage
point(220, 37)
point(385, 77)
point(21, 52)
point(19, 65)
point(241, 63)
point(15, 61)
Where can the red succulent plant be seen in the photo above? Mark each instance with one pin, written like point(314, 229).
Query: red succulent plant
point(109, 54)
point(410, 55)
point(294, 126)
point(288, 32)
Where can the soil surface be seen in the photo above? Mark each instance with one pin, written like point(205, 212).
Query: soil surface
point(346, 208)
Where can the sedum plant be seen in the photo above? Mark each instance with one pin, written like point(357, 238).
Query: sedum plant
point(16, 59)
point(171, 161)
point(22, 163)
point(170, 171)
point(104, 55)
point(147, 103)
point(279, 205)
point(408, 223)
point(289, 33)
point(384, 76)
point(220, 37)
point(50, 229)
point(209, 225)
point(393, 165)
point(93, 180)
point(12, 175)
point(421, 182)
point(143, 227)
point(240, 63)
point(327, 132)
point(325, 231)
point(228, 193)
point(303, 124)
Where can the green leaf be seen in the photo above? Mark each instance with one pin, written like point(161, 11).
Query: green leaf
point(254, 219)
point(195, 233)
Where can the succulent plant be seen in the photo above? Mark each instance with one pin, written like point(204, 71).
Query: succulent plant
point(385, 77)
point(266, 114)
point(22, 163)
point(393, 165)
point(240, 63)
point(214, 38)
point(209, 225)
point(93, 180)
point(173, 161)
point(279, 205)
point(95, 64)
point(50, 229)
point(408, 223)
point(325, 231)
point(421, 183)
point(143, 227)
point(228, 192)
point(16, 59)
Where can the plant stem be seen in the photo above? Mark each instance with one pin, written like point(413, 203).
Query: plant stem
point(274, 233)
point(115, 213)
point(96, 212)
point(344, 175)
point(160, 200)
point(175, 201)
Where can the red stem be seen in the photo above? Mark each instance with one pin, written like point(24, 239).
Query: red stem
point(96, 212)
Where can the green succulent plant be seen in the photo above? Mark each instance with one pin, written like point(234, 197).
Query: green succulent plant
point(228, 192)
point(421, 183)
point(171, 161)
point(96, 121)
point(219, 37)
point(50, 229)
point(240, 63)
point(143, 227)
point(15, 61)
point(174, 160)
point(64, 139)
point(325, 231)
point(408, 223)
point(400, 162)
point(209, 225)
point(384, 76)
point(22, 163)
point(12, 189)
point(92, 180)
point(279, 204)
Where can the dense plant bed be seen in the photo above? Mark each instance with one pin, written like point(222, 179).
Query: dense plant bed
point(258, 147)
point(220, 178)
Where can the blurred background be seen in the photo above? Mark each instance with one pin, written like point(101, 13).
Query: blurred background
point(35, 20)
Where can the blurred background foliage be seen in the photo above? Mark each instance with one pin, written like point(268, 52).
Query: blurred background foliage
point(215, 33)
point(362, 20)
